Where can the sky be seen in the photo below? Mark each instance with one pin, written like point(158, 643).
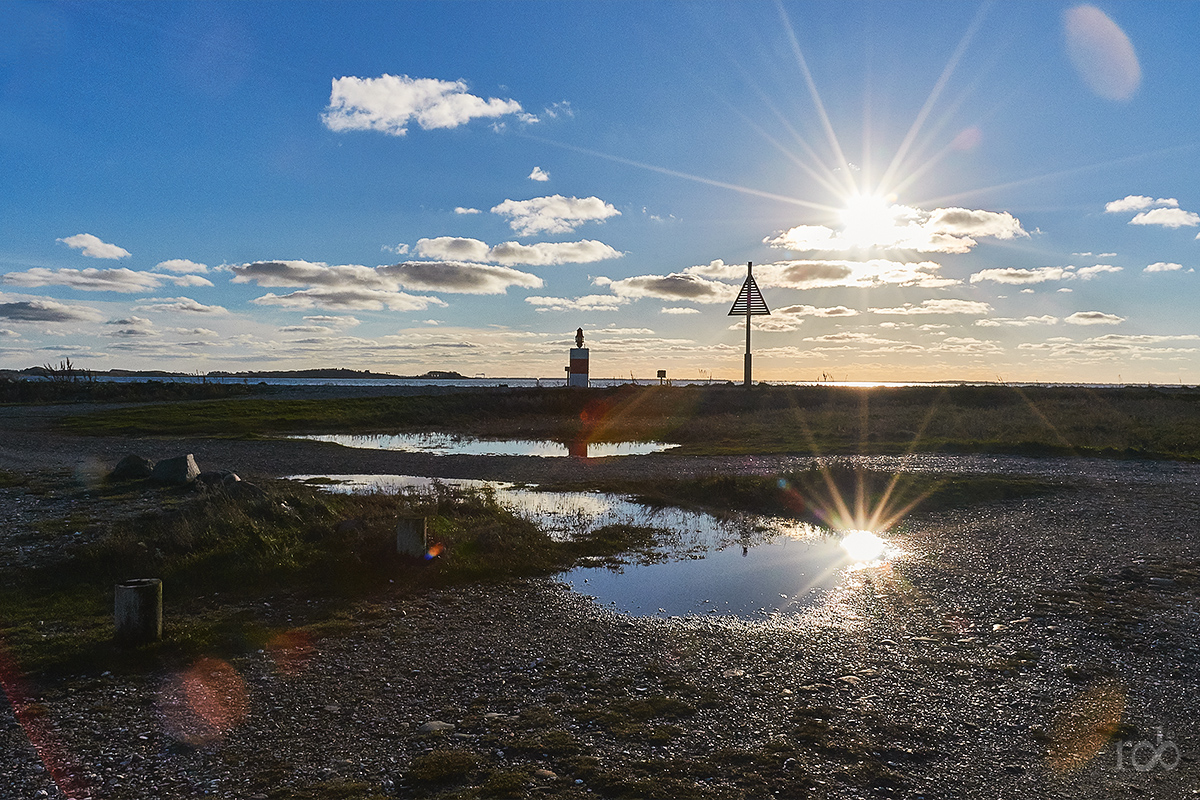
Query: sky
point(997, 191)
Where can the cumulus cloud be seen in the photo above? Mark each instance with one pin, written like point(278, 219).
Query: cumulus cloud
point(1093, 318)
point(180, 304)
point(590, 302)
point(1136, 202)
point(676, 286)
point(814, 311)
point(464, 210)
point(355, 286)
point(826, 274)
point(40, 309)
point(338, 322)
point(132, 322)
point(1163, 266)
point(1101, 53)
point(553, 214)
point(512, 253)
point(348, 299)
point(1087, 273)
point(92, 247)
point(390, 103)
point(181, 265)
point(679, 310)
point(873, 224)
point(1017, 276)
point(1022, 322)
point(1167, 218)
point(100, 280)
point(938, 306)
point(789, 318)
point(458, 277)
point(539, 174)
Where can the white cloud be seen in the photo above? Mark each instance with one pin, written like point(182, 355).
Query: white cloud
point(181, 265)
point(1021, 322)
point(23, 308)
point(677, 286)
point(1087, 273)
point(100, 280)
point(458, 277)
point(399, 249)
point(872, 223)
point(464, 210)
point(356, 286)
point(513, 253)
point(338, 322)
point(539, 174)
point(679, 310)
point(181, 304)
point(1101, 53)
point(349, 299)
point(1163, 266)
point(1167, 217)
point(92, 247)
point(550, 253)
point(814, 311)
point(1136, 202)
point(1016, 276)
point(1013, 275)
point(938, 306)
point(390, 102)
point(1093, 318)
point(553, 214)
point(590, 302)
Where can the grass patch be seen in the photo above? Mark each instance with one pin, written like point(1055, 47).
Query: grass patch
point(822, 494)
point(1040, 420)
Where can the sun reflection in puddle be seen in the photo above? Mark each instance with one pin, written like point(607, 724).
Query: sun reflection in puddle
point(738, 565)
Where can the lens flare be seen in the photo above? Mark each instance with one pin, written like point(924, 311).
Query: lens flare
point(203, 703)
point(863, 546)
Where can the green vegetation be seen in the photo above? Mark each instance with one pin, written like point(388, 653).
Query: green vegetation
point(820, 492)
point(1120, 422)
point(293, 541)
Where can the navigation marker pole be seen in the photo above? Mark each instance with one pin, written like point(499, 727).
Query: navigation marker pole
point(751, 303)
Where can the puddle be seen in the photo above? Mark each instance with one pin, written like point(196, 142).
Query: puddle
point(448, 445)
point(743, 566)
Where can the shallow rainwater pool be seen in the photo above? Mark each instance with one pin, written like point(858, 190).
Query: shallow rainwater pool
point(743, 566)
point(449, 445)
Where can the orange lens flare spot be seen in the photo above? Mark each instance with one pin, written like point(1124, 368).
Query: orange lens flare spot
point(204, 702)
point(291, 651)
point(435, 551)
point(1083, 729)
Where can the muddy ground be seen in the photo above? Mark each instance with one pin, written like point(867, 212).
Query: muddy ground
point(1043, 648)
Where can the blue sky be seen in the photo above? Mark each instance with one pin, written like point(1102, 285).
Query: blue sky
point(927, 191)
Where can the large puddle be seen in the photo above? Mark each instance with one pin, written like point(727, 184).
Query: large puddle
point(744, 566)
point(450, 445)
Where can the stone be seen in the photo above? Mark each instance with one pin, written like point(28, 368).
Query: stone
point(132, 468)
point(217, 479)
point(178, 471)
point(435, 726)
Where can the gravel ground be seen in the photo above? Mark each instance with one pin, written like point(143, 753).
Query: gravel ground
point(979, 665)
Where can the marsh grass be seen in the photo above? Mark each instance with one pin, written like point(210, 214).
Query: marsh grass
point(818, 492)
point(824, 420)
point(219, 555)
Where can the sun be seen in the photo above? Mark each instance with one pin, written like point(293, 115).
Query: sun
point(870, 220)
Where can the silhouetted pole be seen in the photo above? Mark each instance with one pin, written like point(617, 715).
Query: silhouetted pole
point(749, 370)
point(749, 301)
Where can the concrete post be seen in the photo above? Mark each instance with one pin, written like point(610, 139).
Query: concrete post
point(137, 611)
point(411, 537)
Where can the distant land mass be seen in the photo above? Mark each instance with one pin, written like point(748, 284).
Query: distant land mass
point(300, 374)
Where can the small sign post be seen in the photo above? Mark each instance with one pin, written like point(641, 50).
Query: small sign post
point(751, 303)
